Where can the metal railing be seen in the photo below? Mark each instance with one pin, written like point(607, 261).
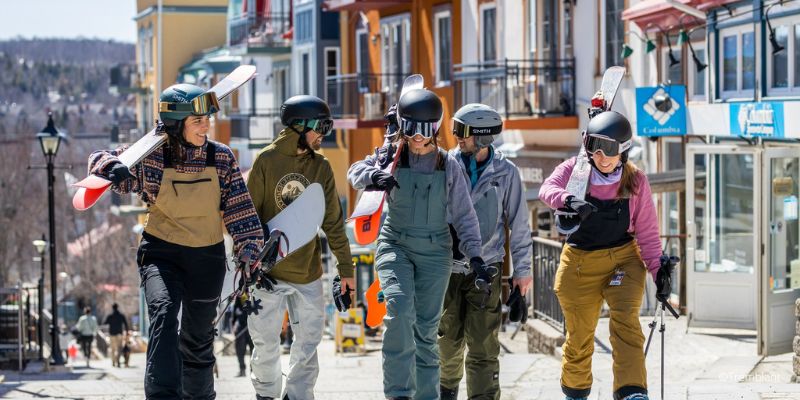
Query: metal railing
point(262, 126)
point(546, 255)
point(518, 88)
point(260, 30)
point(365, 97)
point(14, 327)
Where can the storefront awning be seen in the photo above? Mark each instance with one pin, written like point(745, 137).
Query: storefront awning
point(667, 13)
point(350, 5)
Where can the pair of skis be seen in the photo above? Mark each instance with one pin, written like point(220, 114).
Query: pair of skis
point(91, 188)
point(578, 182)
point(368, 211)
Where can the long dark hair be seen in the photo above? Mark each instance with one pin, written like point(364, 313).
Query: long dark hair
point(627, 183)
point(175, 142)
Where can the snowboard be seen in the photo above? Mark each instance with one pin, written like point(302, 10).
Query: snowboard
point(579, 178)
point(367, 212)
point(299, 222)
point(93, 187)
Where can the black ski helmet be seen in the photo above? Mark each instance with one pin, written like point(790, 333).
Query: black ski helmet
point(302, 108)
point(420, 111)
point(609, 127)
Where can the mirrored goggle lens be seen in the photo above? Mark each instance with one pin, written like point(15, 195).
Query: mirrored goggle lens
point(204, 104)
point(464, 131)
point(412, 128)
point(608, 147)
point(323, 127)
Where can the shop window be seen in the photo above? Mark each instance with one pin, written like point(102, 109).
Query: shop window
point(738, 61)
point(443, 46)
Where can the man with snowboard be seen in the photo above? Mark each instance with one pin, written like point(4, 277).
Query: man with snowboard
point(280, 173)
point(471, 319)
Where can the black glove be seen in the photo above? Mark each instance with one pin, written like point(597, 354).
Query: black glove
point(391, 121)
point(384, 181)
point(517, 308)
point(484, 274)
point(119, 173)
point(664, 277)
point(341, 300)
point(582, 207)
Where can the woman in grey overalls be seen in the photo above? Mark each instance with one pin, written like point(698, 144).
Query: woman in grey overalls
point(414, 254)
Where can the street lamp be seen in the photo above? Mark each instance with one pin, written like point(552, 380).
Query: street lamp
point(50, 139)
point(40, 245)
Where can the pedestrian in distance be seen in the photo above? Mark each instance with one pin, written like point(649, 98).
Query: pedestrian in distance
point(471, 321)
point(117, 331)
point(87, 328)
point(281, 172)
point(413, 257)
point(613, 244)
point(193, 190)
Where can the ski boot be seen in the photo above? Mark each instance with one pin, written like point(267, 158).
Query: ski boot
point(448, 394)
point(636, 396)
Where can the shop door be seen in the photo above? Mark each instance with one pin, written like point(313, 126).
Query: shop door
point(780, 277)
point(722, 250)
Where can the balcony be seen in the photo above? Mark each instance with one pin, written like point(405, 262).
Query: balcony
point(518, 89)
point(360, 100)
point(258, 129)
point(261, 32)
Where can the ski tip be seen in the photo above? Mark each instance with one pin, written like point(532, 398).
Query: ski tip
point(85, 198)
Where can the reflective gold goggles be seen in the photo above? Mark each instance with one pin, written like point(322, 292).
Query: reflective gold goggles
point(203, 104)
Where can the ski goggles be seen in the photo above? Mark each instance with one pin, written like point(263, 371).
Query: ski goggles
point(604, 144)
point(412, 128)
point(203, 104)
point(464, 131)
point(323, 127)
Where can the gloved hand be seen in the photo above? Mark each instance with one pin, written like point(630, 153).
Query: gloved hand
point(392, 126)
point(119, 173)
point(484, 274)
point(664, 277)
point(384, 181)
point(582, 207)
point(341, 300)
point(518, 309)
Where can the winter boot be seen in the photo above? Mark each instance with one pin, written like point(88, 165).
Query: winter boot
point(448, 394)
point(636, 396)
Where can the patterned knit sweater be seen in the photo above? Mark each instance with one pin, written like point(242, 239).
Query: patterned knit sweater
point(236, 205)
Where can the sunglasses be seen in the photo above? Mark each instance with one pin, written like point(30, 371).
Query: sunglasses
point(464, 131)
point(323, 127)
point(203, 104)
point(609, 147)
point(412, 128)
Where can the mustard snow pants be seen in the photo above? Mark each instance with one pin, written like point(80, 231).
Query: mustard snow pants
point(583, 280)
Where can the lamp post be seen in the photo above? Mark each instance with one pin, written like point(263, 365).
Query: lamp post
point(39, 245)
point(50, 139)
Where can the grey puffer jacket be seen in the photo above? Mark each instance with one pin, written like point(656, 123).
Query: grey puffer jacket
point(499, 201)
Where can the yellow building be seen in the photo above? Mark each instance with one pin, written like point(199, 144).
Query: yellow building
point(169, 33)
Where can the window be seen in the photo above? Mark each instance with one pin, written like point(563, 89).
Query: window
point(331, 69)
point(304, 26)
point(614, 32)
point(783, 68)
point(568, 29)
point(532, 24)
point(396, 52)
point(362, 59)
point(780, 61)
point(489, 33)
point(548, 28)
point(738, 60)
point(697, 89)
point(443, 46)
point(304, 78)
point(673, 74)
point(796, 43)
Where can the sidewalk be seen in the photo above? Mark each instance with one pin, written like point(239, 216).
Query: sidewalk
point(700, 365)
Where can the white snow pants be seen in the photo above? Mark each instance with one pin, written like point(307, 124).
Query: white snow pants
point(306, 314)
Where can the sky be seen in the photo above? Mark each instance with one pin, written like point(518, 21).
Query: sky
point(101, 19)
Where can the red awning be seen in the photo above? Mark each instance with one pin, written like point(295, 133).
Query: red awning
point(661, 13)
point(349, 5)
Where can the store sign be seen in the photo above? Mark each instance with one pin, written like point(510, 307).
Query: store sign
point(661, 110)
point(534, 170)
point(757, 119)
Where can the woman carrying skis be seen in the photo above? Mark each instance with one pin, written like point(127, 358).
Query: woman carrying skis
point(606, 258)
point(192, 187)
point(414, 254)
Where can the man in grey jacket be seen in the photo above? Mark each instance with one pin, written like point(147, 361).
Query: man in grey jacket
point(469, 317)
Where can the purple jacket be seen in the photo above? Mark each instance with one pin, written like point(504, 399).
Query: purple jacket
point(644, 222)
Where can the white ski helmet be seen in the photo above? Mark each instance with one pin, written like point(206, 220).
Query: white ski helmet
point(477, 120)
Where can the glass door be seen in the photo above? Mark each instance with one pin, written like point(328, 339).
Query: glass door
point(780, 278)
point(722, 249)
